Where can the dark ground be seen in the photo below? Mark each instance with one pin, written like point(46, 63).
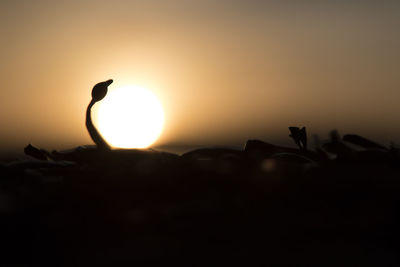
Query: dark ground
point(263, 206)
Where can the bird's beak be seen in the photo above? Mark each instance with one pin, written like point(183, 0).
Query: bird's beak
point(108, 82)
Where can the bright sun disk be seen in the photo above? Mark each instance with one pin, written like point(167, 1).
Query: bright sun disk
point(130, 117)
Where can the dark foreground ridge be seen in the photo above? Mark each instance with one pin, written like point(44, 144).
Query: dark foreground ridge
point(265, 205)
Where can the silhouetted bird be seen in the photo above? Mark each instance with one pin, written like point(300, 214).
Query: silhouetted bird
point(363, 142)
point(98, 93)
point(299, 136)
point(371, 152)
point(337, 147)
point(35, 152)
point(259, 149)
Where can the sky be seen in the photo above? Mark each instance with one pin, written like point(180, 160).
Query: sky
point(225, 71)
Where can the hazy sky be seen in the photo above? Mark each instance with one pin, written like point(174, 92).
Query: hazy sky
point(225, 71)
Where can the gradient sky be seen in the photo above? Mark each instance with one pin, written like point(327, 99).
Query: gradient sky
point(225, 71)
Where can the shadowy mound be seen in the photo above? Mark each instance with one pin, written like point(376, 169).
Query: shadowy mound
point(264, 205)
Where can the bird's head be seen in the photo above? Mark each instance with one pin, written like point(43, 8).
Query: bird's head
point(99, 91)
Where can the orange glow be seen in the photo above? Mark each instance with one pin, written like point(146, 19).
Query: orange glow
point(225, 71)
point(130, 117)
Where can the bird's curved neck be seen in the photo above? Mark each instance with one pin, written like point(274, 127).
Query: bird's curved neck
point(94, 134)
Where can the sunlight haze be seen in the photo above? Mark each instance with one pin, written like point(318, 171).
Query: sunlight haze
point(130, 117)
point(224, 71)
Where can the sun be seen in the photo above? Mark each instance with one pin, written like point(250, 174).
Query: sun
point(130, 117)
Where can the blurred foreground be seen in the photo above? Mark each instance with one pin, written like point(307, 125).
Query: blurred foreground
point(337, 205)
